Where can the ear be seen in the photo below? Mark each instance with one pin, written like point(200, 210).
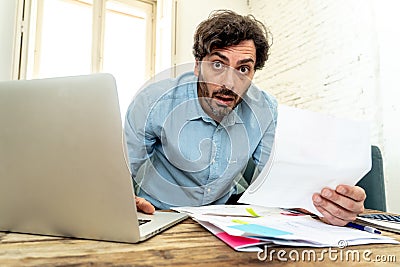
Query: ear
point(196, 68)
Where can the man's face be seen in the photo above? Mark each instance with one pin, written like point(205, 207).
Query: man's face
point(224, 77)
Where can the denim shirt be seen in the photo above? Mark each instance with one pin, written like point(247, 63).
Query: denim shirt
point(179, 156)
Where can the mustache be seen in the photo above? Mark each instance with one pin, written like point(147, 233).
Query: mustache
point(226, 92)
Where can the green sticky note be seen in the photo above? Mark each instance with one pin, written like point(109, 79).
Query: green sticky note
point(239, 221)
point(252, 212)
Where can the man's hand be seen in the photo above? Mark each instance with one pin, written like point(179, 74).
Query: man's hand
point(341, 205)
point(143, 205)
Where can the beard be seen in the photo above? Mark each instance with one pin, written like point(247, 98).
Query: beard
point(221, 102)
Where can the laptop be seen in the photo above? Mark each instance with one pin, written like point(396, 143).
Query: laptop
point(63, 166)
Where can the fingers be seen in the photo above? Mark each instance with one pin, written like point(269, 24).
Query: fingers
point(332, 213)
point(340, 206)
point(354, 192)
point(349, 198)
point(143, 205)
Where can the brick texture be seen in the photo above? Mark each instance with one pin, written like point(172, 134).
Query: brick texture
point(323, 58)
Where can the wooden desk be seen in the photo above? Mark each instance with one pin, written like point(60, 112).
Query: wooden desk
point(187, 244)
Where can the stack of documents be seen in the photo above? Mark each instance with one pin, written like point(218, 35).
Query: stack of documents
point(245, 227)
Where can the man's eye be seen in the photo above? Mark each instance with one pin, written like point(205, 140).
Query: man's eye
point(217, 65)
point(244, 69)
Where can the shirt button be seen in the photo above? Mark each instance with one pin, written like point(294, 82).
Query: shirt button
point(208, 190)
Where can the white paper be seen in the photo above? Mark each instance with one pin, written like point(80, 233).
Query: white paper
point(228, 210)
point(311, 151)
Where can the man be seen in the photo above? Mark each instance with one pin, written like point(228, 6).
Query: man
point(189, 139)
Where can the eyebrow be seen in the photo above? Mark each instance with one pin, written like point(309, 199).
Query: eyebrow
point(242, 61)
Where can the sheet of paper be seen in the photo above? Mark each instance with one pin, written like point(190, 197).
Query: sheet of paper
point(311, 151)
point(229, 210)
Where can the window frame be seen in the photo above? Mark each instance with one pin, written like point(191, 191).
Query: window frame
point(29, 11)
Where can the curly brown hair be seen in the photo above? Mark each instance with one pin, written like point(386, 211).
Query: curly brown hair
point(225, 28)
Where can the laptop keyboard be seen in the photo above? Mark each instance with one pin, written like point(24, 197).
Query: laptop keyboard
point(143, 221)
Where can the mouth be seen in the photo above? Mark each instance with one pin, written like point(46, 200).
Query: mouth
point(225, 100)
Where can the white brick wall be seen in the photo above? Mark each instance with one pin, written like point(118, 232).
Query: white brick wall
point(339, 57)
point(323, 57)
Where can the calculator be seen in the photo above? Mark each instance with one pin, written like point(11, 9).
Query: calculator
point(382, 217)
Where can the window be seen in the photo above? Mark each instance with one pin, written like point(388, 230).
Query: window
point(74, 37)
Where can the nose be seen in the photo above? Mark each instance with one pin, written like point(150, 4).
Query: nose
point(229, 78)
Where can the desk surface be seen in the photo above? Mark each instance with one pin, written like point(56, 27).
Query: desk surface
point(186, 244)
